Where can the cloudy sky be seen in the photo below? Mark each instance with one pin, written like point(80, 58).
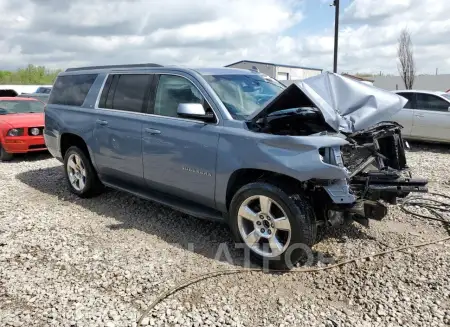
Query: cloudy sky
point(63, 33)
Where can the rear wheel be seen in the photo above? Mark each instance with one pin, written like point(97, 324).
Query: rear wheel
point(5, 156)
point(277, 227)
point(80, 174)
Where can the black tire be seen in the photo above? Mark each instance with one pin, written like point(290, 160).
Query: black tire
point(93, 186)
point(5, 156)
point(298, 210)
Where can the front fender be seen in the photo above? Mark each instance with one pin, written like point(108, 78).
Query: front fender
point(294, 156)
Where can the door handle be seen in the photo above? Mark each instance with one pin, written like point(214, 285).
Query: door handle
point(102, 122)
point(419, 115)
point(152, 131)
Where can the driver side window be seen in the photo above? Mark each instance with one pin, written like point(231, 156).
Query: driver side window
point(173, 90)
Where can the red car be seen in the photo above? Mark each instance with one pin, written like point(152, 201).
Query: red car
point(21, 126)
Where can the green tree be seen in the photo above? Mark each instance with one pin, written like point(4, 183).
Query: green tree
point(29, 75)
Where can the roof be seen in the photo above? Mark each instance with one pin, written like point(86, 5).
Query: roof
point(16, 98)
point(273, 64)
point(156, 68)
point(26, 95)
point(359, 78)
point(420, 91)
point(146, 65)
point(225, 71)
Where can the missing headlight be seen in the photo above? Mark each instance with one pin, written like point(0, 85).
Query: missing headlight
point(331, 156)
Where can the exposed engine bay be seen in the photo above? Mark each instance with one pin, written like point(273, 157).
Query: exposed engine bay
point(373, 156)
point(297, 122)
point(374, 159)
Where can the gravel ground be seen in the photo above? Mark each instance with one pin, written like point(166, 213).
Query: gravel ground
point(98, 262)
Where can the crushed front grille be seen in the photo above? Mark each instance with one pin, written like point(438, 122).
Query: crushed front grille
point(354, 157)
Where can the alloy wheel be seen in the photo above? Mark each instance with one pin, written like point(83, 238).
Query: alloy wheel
point(264, 226)
point(76, 171)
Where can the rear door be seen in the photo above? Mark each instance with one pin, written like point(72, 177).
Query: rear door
point(179, 154)
point(431, 118)
point(117, 134)
point(405, 116)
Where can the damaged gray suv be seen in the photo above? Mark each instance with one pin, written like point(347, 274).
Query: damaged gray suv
point(273, 162)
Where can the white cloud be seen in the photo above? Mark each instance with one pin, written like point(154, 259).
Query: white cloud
point(369, 10)
point(369, 34)
point(62, 33)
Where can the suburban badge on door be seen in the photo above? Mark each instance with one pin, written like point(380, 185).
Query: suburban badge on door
point(192, 170)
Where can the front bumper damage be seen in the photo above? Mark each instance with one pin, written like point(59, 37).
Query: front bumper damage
point(378, 173)
point(362, 163)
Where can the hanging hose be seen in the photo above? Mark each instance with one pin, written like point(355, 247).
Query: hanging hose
point(435, 206)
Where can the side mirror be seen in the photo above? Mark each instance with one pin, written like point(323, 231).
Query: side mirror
point(448, 108)
point(194, 110)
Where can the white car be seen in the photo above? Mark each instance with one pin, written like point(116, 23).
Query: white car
point(426, 115)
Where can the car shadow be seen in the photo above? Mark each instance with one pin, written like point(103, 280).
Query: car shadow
point(30, 156)
point(210, 239)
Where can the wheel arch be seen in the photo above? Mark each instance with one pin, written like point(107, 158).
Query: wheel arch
point(244, 176)
point(71, 139)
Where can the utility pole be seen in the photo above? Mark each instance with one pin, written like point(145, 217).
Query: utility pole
point(336, 33)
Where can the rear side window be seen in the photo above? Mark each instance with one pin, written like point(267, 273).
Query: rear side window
point(410, 97)
point(71, 90)
point(126, 92)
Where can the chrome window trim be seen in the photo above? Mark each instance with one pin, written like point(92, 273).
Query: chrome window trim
point(96, 107)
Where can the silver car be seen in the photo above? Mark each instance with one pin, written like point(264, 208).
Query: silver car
point(426, 115)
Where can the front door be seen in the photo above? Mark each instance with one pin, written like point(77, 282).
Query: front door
point(117, 135)
point(179, 154)
point(431, 118)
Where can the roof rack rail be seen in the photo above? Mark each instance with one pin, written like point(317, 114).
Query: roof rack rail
point(114, 66)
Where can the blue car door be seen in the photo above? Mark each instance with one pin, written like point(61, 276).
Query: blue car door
point(179, 154)
point(117, 134)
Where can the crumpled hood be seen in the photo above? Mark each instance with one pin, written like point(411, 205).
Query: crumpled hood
point(23, 120)
point(347, 105)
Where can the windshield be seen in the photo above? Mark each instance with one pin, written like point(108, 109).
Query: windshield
point(41, 97)
point(243, 94)
point(446, 95)
point(20, 107)
point(44, 90)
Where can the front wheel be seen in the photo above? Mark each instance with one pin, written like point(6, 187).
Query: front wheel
point(5, 156)
point(277, 227)
point(80, 174)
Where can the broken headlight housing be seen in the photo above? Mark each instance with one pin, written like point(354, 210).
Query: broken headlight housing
point(331, 156)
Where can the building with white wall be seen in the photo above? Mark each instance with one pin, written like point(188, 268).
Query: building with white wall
point(421, 82)
point(278, 71)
